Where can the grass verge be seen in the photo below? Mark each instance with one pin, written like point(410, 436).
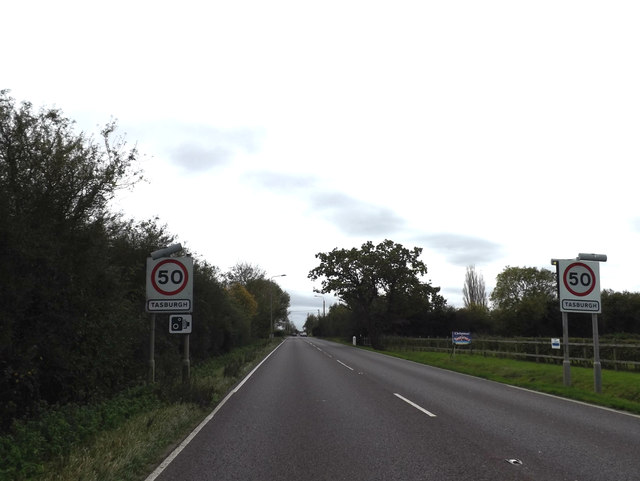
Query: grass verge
point(620, 389)
point(124, 438)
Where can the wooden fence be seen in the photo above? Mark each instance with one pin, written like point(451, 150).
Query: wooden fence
point(618, 356)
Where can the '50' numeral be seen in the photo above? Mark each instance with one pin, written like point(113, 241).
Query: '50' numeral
point(176, 276)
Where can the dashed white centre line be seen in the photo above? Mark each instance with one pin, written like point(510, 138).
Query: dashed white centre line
point(419, 408)
point(348, 367)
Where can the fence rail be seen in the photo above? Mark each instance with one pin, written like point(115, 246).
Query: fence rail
point(624, 356)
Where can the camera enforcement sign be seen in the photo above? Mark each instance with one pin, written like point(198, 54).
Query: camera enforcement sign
point(170, 284)
point(180, 324)
point(579, 286)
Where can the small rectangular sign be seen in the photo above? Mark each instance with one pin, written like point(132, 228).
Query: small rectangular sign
point(461, 338)
point(180, 324)
point(555, 343)
point(573, 305)
point(176, 305)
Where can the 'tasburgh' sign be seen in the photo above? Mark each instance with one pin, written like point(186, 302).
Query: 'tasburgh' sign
point(179, 305)
point(580, 306)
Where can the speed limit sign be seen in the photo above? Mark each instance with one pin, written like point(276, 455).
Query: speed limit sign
point(579, 286)
point(170, 284)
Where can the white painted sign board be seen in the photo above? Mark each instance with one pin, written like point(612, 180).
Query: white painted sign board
point(579, 286)
point(170, 284)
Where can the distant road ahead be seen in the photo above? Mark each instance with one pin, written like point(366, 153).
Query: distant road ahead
point(316, 410)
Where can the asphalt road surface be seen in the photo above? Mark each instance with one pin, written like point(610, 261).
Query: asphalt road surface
point(316, 410)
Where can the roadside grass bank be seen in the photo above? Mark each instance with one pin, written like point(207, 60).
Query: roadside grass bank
point(620, 389)
point(126, 437)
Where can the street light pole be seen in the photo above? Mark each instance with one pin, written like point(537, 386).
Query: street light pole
point(323, 311)
point(271, 301)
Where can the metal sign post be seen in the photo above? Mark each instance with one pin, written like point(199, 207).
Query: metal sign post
point(597, 367)
point(566, 362)
point(579, 291)
point(169, 287)
point(152, 349)
point(182, 324)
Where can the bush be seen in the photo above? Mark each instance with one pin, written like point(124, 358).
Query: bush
point(53, 433)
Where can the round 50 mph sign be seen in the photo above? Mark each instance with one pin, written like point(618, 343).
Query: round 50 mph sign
point(170, 284)
point(169, 277)
point(579, 286)
point(579, 279)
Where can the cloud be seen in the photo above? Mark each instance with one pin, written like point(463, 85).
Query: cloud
point(356, 217)
point(352, 216)
point(462, 250)
point(309, 303)
point(202, 148)
point(285, 183)
point(449, 292)
point(199, 158)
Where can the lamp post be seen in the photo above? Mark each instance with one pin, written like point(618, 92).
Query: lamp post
point(271, 301)
point(323, 311)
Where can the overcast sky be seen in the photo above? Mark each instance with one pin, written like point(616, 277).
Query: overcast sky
point(492, 133)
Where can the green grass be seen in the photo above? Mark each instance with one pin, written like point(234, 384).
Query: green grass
point(125, 438)
point(124, 453)
point(620, 389)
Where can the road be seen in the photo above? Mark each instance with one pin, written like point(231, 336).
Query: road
point(316, 410)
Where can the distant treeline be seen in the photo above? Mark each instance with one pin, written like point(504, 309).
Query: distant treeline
point(530, 315)
point(524, 303)
point(382, 294)
point(73, 327)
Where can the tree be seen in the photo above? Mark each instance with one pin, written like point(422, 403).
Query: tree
point(271, 300)
point(60, 291)
point(514, 284)
point(243, 273)
point(273, 303)
point(524, 300)
point(338, 322)
point(243, 299)
point(380, 284)
point(474, 293)
point(620, 311)
point(311, 324)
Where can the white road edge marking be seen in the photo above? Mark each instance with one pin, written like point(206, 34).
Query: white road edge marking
point(348, 367)
point(163, 465)
point(419, 408)
point(582, 403)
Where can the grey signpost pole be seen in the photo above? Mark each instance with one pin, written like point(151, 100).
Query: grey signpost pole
point(597, 368)
point(152, 349)
point(186, 363)
point(566, 363)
